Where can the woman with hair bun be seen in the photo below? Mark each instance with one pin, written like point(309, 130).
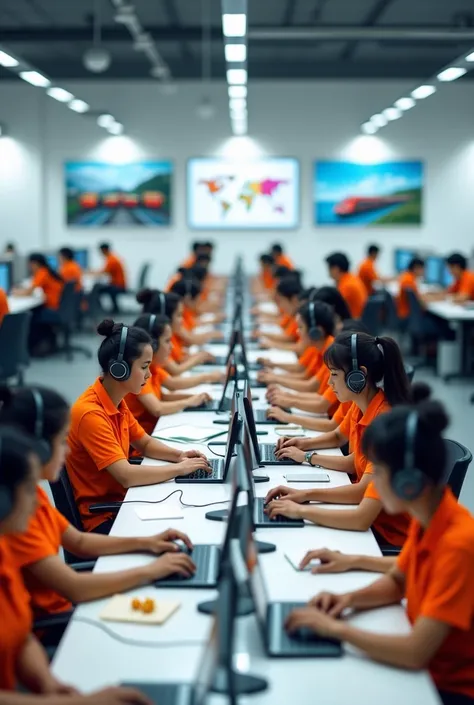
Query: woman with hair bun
point(103, 429)
point(434, 572)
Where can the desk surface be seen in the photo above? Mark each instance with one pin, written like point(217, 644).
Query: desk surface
point(19, 304)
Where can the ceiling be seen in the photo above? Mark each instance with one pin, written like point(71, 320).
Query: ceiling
point(52, 36)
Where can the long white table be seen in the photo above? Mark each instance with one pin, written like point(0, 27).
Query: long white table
point(90, 657)
point(19, 304)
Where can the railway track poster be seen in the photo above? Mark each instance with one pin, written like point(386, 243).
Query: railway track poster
point(99, 194)
point(347, 194)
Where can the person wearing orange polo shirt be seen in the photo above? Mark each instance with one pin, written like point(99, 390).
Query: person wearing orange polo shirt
point(69, 269)
point(462, 287)
point(115, 271)
point(408, 281)
point(287, 299)
point(103, 429)
point(434, 573)
point(190, 261)
point(4, 308)
point(349, 285)
point(358, 363)
point(367, 272)
point(280, 257)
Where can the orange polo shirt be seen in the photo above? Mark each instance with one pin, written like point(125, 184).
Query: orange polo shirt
point(267, 279)
point(189, 319)
point(284, 261)
point(177, 351)
point(354, 293)
point(175, 278)
point(190, 261)
point(407, 281)
point(392, 527)
point(153, 386)
point(114, 268)
point(291, 329)
point(15, 616)
point(438, 564)
point(71, 272)
point(52, 287)
point(41, 540)
point(4, 308)
point(341, 411)
point(310, 358)
point(354, 425)
point(368, 275)
point(464, 285)
point(323, 372)
point(100, 434)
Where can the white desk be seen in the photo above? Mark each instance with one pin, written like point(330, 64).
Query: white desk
point(19, 304)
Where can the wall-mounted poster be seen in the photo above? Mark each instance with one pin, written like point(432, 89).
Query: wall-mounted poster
point(99, 194)
point(348, 194)
point(226, 194)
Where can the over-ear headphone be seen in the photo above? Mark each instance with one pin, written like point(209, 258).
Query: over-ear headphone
point(151, 322)
point(409, 482)
point(43, 446)
point(118, 367)
point(314, 332)
point(162, 298)
point(5, 495)
point(356, 379)
point(188, 286)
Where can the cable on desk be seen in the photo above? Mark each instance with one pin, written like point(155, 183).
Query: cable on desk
point(136, 642)
point(180, 492)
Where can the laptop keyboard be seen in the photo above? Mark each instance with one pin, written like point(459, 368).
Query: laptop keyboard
point(166, 693)
point(206, 559)
point(216, 464)
point(267, 453)
point(280, 640)
point(262, 518)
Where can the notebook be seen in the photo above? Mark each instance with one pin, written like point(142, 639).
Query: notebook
point(119, 609)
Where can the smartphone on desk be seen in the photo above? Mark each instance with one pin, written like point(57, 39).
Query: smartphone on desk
point(306, 477)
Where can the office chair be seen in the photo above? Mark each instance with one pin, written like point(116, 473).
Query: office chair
point(374, 313)
point(68, 312)
point(410, 371)
point(14, 354)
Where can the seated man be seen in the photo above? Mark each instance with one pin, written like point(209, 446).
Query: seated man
point(463, 285)
point(349, 285)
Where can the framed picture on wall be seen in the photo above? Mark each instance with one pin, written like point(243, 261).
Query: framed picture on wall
point(347, 194)
point(247, 195)
point(100, 195)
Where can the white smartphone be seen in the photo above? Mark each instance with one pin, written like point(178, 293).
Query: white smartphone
point(307, 477)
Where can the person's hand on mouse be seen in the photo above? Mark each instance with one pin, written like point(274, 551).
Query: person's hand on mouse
point(291, 453)
point(283, 508)
point(330, 561)
point(332, 604)
point(170, 564)
point(165, 542)
point(315, 620)
point(282, 492)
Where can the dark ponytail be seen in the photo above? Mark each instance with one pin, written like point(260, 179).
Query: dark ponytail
point(330, 295)
point(41, 261)
point(15, 468)
point(381, 357)
point(109, 349)
point(186, 287)
point(318, 314)
point(156, 301)
point(385, 439)
point(154, 325)
point(18, 408)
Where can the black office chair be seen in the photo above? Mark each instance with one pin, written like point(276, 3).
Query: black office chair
point(410, 371)
point(374, 313)
point(68, 312)
point(143, 276)
point(14, 355)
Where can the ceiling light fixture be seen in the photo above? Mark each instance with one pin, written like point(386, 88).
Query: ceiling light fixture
point(79, 106)
point(392, 113)
point(235, 52)
point(105, 120)
point(470, 57)
point(237, 91)
point(237, 103)
point(116, 128)
point(451, 74)
point(423, 92)
point(234, 25)
point(236, 76)
point(143, 42)
point(60, 94)
point(125, 14)
point(378, 120)
point(405, 103)
point(8, 61)
point(369, 128)
point(35, 78)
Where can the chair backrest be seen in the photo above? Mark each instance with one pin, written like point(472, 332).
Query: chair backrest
point(143, 276)
point(458, 460)
point(373, 313)
point(415, 318)
point(68, 306)
point(391, 315)
point(410, 370)
point(64, 500)
point(14, 333)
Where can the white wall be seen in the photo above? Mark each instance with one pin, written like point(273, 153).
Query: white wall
point(306, 120)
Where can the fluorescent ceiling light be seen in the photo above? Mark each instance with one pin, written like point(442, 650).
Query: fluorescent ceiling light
point(35, 78)
point(8, 61)
point(125, 14)
point(451, 73)
point(423, 92)
point(60, 94)
point(238, 114)
point(392, 113)
point(143, 42)
point(116, 128)
point(405, 103)
point(235, 52)
point(236, 76)
point(237, 91)
point(105, 120)
point(237, 103)
point(470, 57)
point(79, 106)
point(369, 128)
point(234, 25)
point(378, 120)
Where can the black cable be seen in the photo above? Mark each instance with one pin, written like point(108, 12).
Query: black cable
point(136, 642)
point(159, 501)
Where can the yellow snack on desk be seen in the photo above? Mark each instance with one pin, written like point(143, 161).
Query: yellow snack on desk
point(122, 608)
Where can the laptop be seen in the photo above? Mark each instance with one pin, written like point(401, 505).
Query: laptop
point(224, 404)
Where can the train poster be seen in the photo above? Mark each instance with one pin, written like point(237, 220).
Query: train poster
point(99, 194)
point(386, 194)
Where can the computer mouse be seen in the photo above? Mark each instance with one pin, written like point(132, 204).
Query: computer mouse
point(304, 634)
point(182, 547)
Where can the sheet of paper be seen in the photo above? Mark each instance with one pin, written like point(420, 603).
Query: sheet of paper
point(119, 609)
point(187, 434)
point(155, 512)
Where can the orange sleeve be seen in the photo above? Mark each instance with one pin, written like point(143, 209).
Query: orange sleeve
point(4, 308)
point(39, 279)
point(404, 557)
point(99, 441)
point(466, 287)
point(31, 546)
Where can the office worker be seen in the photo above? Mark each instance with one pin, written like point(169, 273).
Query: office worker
point(367, 272)
point(69, 269)
point(348, 284)
point(4, 307)
point(286, 298)
point(435, 570)
point(330, 295)
point(23, 661)
point(280, 258)
point(103, 429)
point(462, 287)
point(188, 290)
point(358, 363)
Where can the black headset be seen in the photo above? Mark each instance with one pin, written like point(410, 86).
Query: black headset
point(5, 494)
point(356, 379)
point(314, 332)
point(188, 286)
point(119, 368)
point(151, 322)
point(409, 482)
point(43, 446)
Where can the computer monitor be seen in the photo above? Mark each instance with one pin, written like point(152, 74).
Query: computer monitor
point(446, 277)
point(433, 270)
point(82, 258)
point(6, 276)
point(403, 259)
point(52, 260)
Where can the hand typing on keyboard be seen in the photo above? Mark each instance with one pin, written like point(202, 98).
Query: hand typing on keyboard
point(170, 564)
point(284, 508)
point(190, 465)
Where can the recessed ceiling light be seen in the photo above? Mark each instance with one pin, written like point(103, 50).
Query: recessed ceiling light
point(79, 106)
point(237, 103)
point(405, 103)
point(369, 128)
point(392, 113)
point(35, 78)
point(451, 73)
point(470, 57)
point(105, 120)
point(60, 94)
point(423, 92)
point(236, 76)
point(234, 25)
point(237, 91)
point(8, 61)
point(115, 128)
point(378, 120)
point(235, 52)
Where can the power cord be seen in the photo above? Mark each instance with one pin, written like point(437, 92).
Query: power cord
point(136, 642)
point(180, 492)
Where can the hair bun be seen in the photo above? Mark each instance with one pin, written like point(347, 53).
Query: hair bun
point(106, 328)
point(144, 296)
point(433, 416)
point(420, 392)
point(6, 395)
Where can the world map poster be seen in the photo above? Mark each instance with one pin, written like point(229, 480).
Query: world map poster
point(224, 194)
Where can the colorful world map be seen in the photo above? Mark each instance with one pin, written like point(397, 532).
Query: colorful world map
point(248, 194)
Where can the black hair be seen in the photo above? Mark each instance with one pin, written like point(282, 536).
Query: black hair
point(18, 408)
point(157, 328)
point(104, 246)
point(373, 250)
point(41, 260)
point(202, 258)
point(208, 244)
point(197, 272)
point(15, 468)
point(319, 314)
point(330, 295)
point(282, 271)
point(187, 286)
point(354, 326)
point(307, 294)
point(340, 260)
point(10, 246)
point(109, 349)
point(457, 259)
point(289, 287)
point(266, 259)
point(385, 440)
point(195, 246)
point(67, 253)
point(415, 262)
point(277, 249)
point(384, 364)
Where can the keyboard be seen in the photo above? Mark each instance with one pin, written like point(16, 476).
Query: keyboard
point(280, 643)
point(260, 416)
point(262, 519)
point(267, 455)
point(206, 558)
point(217, 466)
point(165, 693)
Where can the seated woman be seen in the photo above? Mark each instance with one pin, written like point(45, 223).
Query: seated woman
point(23, 661)
point(188, 291)
point(357, 364)
point(103, 429)
point(434, 572)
